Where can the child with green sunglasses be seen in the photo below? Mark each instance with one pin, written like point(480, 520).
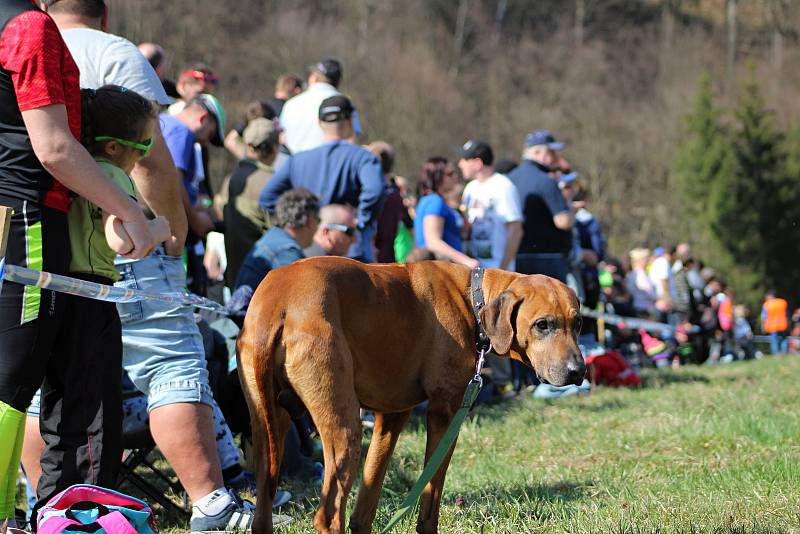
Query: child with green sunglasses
point(117, 128)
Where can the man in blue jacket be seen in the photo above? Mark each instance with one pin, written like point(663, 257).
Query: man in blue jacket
point(338, 172)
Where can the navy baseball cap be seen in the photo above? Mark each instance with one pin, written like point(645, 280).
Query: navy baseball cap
point(543, 137)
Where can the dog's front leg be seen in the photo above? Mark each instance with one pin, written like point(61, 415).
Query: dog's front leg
point(439, 416)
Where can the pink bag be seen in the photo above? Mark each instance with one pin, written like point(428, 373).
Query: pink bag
point(87, 508)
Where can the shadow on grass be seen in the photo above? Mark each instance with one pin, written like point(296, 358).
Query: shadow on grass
point(662, 378)
point(605, 406)
point(563, 491)
point(532, 503)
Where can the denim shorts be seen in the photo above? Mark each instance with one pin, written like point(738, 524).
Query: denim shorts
point(163, 350)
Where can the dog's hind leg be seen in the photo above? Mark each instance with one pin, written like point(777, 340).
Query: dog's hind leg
point(439, 416)
point(323, 378)
point(384, 437)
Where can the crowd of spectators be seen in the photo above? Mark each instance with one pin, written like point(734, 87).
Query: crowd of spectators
point(302, 185)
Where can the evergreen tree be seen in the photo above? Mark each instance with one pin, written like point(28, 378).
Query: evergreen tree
point(745, 205)
point(783, 220)
point(702, 156)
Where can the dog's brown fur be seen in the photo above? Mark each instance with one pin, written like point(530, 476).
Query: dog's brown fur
point(342, 335)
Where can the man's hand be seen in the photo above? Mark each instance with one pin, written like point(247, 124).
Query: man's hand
point(138, 229)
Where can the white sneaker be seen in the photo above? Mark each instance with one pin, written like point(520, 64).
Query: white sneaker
point(236, 517)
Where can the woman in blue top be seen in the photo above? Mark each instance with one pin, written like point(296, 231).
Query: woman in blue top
point(436, 226)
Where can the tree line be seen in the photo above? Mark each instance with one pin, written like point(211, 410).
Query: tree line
point(612, 78)
point(738, 175)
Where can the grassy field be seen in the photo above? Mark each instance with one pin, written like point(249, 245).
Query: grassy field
point(697, 450)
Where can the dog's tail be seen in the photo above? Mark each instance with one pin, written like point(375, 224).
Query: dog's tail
point(256, 350)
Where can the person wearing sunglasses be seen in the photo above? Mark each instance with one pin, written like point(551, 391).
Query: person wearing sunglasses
point(169, 366)
point(336, 231)
point(117, 129)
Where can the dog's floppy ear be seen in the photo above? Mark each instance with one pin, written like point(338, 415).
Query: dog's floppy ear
point(497, 318)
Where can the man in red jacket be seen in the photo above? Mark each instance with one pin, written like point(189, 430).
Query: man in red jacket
point(41, 161)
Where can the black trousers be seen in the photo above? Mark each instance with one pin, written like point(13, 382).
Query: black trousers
point(81, 416)
point(30, 318)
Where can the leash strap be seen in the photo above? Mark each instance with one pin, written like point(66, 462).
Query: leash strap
point(470, 395)
point(410, 502)
point(93, 290)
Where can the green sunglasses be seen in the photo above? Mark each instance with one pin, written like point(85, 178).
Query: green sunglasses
point(144, 148)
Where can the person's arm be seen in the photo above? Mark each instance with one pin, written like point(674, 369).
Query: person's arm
point(120, 242)
point(510, 208)
point(200, 221)
point(563, 214)
point(69, 163)
point(235, 144)
point(433, 230)
point(564, 220)
point(213, 264)
point(160, 184)
point(280, 182)
point(513, 241)
point(598, 242)
point(373, 188)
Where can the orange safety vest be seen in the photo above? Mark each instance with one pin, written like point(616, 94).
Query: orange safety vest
point(775, 315)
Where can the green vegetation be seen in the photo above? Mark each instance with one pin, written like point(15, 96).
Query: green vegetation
point(737, 176)
point(611, 78)
point(699, 449)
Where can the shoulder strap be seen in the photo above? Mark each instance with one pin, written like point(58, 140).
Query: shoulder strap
point(116, 523)
point(55, 525)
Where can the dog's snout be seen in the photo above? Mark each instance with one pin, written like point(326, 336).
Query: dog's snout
point(576, 369)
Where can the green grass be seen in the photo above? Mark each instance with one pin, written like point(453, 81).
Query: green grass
point(697, 450)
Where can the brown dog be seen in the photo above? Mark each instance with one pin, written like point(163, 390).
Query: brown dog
point(342, 335)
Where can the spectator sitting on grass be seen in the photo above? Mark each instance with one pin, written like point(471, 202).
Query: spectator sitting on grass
point(296, 221)
point(742, 332)
point(336, 231)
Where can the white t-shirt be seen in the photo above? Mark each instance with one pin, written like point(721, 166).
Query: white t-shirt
point(300, 117)
point(105, 59)
point(491, 204)
point(659, 272)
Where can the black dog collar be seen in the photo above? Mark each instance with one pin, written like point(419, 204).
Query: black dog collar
point(482, 342)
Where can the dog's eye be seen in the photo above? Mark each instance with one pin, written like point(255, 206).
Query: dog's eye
point(577, 324)
point(542, 325)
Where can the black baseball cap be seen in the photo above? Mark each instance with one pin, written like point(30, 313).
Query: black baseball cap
point(477, 149)
point(330, 68)
point(335, 108)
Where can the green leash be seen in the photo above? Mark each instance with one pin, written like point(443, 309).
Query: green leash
point(473, 389)
point(483, 346)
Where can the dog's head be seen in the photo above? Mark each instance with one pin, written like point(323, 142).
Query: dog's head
point(536, 320)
